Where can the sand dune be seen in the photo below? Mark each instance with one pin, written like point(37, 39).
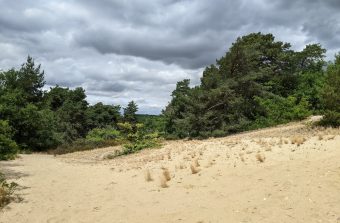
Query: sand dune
point(289, 173)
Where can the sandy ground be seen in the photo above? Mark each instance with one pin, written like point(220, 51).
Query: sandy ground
point(297, 182)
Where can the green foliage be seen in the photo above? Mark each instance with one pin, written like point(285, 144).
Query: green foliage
point(22, 105)
point(309, 87)
point(130, 112)
point(96, 138)
point(233, 96)
point(258, 82)
point(139, 145)
point(37, 129)
point(70, 108)
point(101, 116)
point(126, 128)
point(100, 135)
point(279, 110)
point(28, 79)
point(45, 120)
point(82, 144)
point(330, 95)
point(133, 136)
point(137, 138)
point(331, 118)
point(8, 147)
point(152, 123)
point(6, 191)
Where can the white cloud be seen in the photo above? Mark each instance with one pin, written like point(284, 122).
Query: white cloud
point(137, 50)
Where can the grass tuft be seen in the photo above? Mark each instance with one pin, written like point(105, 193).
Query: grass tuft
point(6, 191)
point(147, 176)
point(166, 174)
point(193, 169)
point(196, 163)
point(298, 140)
point(260, 158)
point(163, 182)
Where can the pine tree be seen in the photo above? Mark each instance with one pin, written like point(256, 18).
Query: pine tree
point(130, 112)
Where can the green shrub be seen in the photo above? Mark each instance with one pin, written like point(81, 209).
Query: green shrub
point(218, 133)
point(100, 135)
point(279, 110)
point(330, 118)
point(133, 135)
point(83, 144)
point(96, 138)
point(6, 191)
point(137, 138)
point(8, 147)
point(139, 145)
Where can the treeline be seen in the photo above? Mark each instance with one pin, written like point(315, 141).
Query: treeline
point(32, 119)
point(259, 82)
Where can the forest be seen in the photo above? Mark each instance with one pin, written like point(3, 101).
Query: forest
point(259, 82)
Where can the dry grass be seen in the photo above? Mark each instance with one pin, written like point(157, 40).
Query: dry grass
point(147, 176)
point(193, 169)
point(259, 157)
point(196, 163)
point(331, 137)
point(163, 182)
point(298, 140)
point(166, 174)
point(6, 192)
point(242, 157)
point(268, 148)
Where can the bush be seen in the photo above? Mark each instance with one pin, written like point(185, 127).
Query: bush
point(137, 137)
point(133, 135)
point(279, 110)
point(218, 133)
point(6, 191)
point(8, 147)
point(96, 138)
point(139, 145)
point(83, 144)
point(100, 135)
point(330, 118)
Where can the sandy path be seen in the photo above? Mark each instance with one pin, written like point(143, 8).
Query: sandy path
point(293, 184)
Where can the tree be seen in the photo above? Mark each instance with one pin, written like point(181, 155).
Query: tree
point(28, 79)
point(37, 129)
point(21, 105)
point(130, 112)
point(101, 116)
point(8, 147)
point(176, 109)
point(70, 108)
point(255, 67)
point(330, 94)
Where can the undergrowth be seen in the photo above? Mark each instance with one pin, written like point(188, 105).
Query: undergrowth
point(6, 191)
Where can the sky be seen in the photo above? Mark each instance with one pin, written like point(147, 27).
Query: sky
point(123, 50)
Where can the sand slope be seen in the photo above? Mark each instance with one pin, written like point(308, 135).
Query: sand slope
point(295, 183)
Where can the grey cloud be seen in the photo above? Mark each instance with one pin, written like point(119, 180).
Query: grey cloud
point(106, 86)
point(137, 50)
